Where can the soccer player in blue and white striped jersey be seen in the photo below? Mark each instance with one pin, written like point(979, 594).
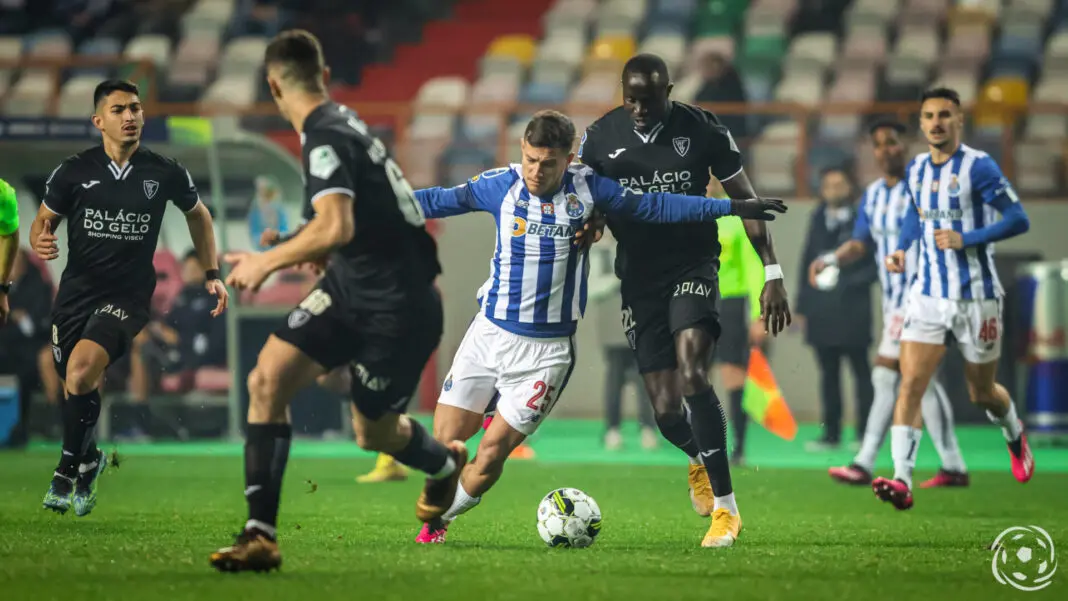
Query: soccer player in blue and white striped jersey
point(957, 193)
point(520, 346)
point(878, 224)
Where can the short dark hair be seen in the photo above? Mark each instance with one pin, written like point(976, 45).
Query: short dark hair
point(190, 254)
point(947, 93)
point(647, 64)
point(300, 55)
point(838, 169)
point(550, 129)
point(110, 86)
point(888, 124)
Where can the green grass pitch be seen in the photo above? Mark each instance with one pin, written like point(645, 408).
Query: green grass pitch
point(169, 506)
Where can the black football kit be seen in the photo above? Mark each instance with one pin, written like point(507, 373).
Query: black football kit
point(668, 272)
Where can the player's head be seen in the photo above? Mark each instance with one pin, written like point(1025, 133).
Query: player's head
point(646, 90)
point(117, 111)
point(886, 141)
point(941, 118)
point(546, 146)
point(836, 187)
point(295, 68)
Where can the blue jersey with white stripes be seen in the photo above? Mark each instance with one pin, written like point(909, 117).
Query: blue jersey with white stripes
point(537, 281)
point(879, 220)
point(964, 194)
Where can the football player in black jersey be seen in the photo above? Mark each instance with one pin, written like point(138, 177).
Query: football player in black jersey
point(375, 308)
point(113, 197)
point(669, 283)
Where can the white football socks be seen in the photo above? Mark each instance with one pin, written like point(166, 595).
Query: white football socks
point(725, 502)
point(461, 504)
point(904, 446)
point(938, 419)
point(1010, 423)
point(884, 381)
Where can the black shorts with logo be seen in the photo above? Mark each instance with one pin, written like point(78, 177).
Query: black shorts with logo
point(111, 323)
point(733, 345)
point(386, 350)
point(653, 312)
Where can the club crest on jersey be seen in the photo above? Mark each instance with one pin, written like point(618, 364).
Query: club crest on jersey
point(575, 208)
point(298, 318)
point(151, 187)
point(57, 354)
point(954, 186)
point(547, 208)
point(682, 145)
point(447, 386)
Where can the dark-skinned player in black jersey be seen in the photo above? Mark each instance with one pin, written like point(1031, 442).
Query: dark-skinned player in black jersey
point(113, 197)
point(375, 309)
point(669, 272)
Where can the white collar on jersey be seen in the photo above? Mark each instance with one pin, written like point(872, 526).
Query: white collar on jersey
point(120, 172)
point(651, 136)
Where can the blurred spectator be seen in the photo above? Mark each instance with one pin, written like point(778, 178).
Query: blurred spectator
point(267, 212)
point(604, 292)
point(722, 84)
point(837, 320)
point(188, 339)
point(25, 342)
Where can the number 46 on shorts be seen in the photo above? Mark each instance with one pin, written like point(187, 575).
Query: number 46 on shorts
point(989, 330)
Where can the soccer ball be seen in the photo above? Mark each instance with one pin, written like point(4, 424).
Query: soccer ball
point(568, 517)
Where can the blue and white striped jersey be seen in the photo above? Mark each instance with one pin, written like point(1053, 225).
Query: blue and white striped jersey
point(964, 194)
point(879, 220)
point(537, 281)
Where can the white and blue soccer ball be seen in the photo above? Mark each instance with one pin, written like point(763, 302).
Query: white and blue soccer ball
point(568, 518)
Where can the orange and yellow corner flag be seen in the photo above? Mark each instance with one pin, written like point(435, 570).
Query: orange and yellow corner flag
point(763, 400)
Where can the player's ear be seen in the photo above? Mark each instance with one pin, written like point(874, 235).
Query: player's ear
point(97, 121)
point(326, 77)
point(570, 158)
point(667, 90)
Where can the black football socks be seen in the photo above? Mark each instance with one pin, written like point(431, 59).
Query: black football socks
point(80, 414)
point(677, 431)
point(266, 455)
point(739, 420)
point(426, 454)
point(709, 425)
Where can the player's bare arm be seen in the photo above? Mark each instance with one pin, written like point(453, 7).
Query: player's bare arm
point(332, 227)
point(42, 234)
point(848, 252)
point(774, 304)
point(202, 232)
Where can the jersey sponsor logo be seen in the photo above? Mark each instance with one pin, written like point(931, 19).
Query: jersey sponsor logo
point(946, 214)
point(323, 161)
point(130, 226)
point(113, 311)
point(575, 208)
point(682, 145)
point(90, 184)
point(667, 181)
point(151, 187)
point(521, 227)
point(694, 289)
point(369, 381)
point(616, 152)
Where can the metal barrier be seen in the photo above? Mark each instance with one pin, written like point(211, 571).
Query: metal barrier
point(1044, 288)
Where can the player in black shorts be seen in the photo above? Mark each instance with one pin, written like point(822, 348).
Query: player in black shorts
point(669, 272)
point(375, 308)
point(113, 197)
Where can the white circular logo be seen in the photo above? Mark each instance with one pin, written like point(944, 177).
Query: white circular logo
point(1024, 558)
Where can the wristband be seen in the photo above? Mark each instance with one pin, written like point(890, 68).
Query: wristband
point(772, 272)
point(212, 274)
point(830, 259)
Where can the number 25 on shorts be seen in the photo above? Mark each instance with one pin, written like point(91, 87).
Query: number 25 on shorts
point(988, 331)
point(542, 398)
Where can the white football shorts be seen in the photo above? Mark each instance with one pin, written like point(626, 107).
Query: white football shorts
point(976, 324)
point(890, 343)
point(528, 373)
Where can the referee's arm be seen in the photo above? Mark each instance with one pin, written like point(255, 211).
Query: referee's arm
point(9, 241)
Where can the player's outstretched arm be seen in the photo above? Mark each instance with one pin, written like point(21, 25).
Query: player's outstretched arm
point(662, 207)
point(484, 192)
point(774, 303)
point(202, 233)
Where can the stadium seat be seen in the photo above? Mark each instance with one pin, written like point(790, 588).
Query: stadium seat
point(10, 50)
point(964, 81)
point(552, 73)
point(150, 47)
point(568, 13)
point(814, 47)
point(31, 94)
point(537, 92)
point(998, 101)
point(443, 92)
point(864, 47)
point(212, 379)
point(706, 46)
point(243, 56)
point(1049, 125)
point(927, 13)
point(105, 49)
point(766, 48)
point(211, 16)
point(918, 43)
point(523, 48)
point(499, 65)
point(597, 90)
point(970, 44)
point(75, 97)
point(1036, 163)
point(872, 13)
point(562, 48)
point(49, 44)
point(609, 54)
point(802, 86)
point(672, 48)
point(481, 127)
point(494, 92)
point(232, 90)
point(432, 126)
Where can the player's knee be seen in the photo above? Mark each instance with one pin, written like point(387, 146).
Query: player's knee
point(80, 377)
point(694, 377)
point(667, 405)
point(263, 385)
point(369, 439)
point(981, 393)
point(913, 387)
point(491, 457)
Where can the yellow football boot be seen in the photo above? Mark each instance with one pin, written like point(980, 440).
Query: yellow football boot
point(700, 491)
point(724, 530)
point(386, 470)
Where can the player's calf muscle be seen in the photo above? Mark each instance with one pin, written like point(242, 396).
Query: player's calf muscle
point(454, 423)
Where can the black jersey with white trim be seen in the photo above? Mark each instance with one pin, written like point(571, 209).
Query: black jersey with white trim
point(114, 214)
point(674, 156)
point(391, 255)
